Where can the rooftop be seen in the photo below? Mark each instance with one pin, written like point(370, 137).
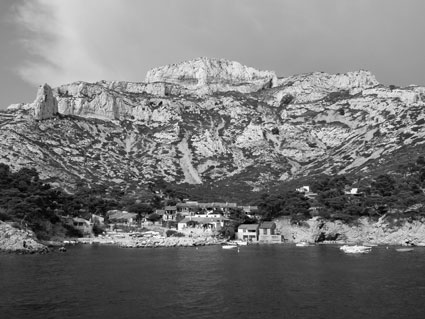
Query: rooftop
point(248, 226)
point(267, 225)
point(202, 220)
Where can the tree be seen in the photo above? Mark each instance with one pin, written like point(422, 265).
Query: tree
point(228, 231)
point(141, 209)
point(384, 185)
point(154, 217)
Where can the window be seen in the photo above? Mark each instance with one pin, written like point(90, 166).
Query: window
point(265, 231)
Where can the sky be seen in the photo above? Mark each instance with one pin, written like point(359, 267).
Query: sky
point(62, 41)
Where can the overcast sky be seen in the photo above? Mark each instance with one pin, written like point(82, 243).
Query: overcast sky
point(61, 41)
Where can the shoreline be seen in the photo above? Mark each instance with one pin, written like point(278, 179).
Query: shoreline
point(313, 231)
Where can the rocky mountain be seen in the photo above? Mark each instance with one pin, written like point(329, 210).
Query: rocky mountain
point(214, 122)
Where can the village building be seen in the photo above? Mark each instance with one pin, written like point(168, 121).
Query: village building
point(224, 207)
point(97, 220)
point(207, 223)
point(160, 212)
point(248, 232)
point(307, 192)
point(188, 208)
point(83, 225)
point(170, 213)
point(267, 233)
point(354, 191)
point(121, 218)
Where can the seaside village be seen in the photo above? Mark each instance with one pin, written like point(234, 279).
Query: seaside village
point(188, 223)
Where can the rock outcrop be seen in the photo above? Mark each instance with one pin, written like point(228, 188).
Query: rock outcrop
point(206, 76)
point(19, 241)
point(45, 104)
point(363, 231)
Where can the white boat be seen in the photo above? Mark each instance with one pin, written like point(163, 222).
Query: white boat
point(370, 244)
point(227, 246)
point(356, 249)
point(302, 244)
point(238, 242)
point(403, 250)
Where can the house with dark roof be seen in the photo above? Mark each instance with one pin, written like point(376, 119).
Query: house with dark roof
point(248, 232)
point(121, 217)
point(187, 208)
point(267, 233)
point(170, 213)
point(83, 225)
point(160, 212)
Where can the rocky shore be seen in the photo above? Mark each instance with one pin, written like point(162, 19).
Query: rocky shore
point(19, 241)
point(171, 242)
point(386, 231)
point(128, 241)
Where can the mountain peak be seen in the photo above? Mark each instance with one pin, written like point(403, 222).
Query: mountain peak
point(207, 75)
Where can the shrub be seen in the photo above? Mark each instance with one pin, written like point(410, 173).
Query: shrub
point(170, 232)
point(192, 223)
point(286, 99)
point(153, 217)
point(174, 233)
point(98, 229)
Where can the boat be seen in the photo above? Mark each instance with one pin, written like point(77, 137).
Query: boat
point(302, 244)
point(370, 244)
point(355, 249)
point(238, 242)
point(229, 246)
point(403, 250)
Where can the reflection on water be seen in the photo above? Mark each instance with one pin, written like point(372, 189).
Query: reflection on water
point(209, 282)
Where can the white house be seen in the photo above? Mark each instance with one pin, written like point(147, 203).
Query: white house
point(248, 232)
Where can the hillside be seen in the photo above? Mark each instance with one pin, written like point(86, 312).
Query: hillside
point(214, 123)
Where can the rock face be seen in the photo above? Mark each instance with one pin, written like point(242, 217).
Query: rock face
point(16, 240)
point(45, 104)
point(192, 122)
point(365, 231)
point(205, 76)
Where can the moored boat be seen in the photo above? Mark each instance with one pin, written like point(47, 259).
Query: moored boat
point(370, 244)
point(355, 249)
point(403, 250)
point(302, 244)
point(229, 246)
point(238, 242)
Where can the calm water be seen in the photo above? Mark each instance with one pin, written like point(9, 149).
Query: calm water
point(275, 281)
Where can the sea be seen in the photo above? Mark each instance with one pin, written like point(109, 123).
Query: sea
point(258, 281)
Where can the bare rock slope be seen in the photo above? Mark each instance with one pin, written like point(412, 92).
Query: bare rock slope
point(16, 240)
point(213, 121)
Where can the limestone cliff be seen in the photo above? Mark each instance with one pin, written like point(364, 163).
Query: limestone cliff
point(213, 121)
point(364, 230)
